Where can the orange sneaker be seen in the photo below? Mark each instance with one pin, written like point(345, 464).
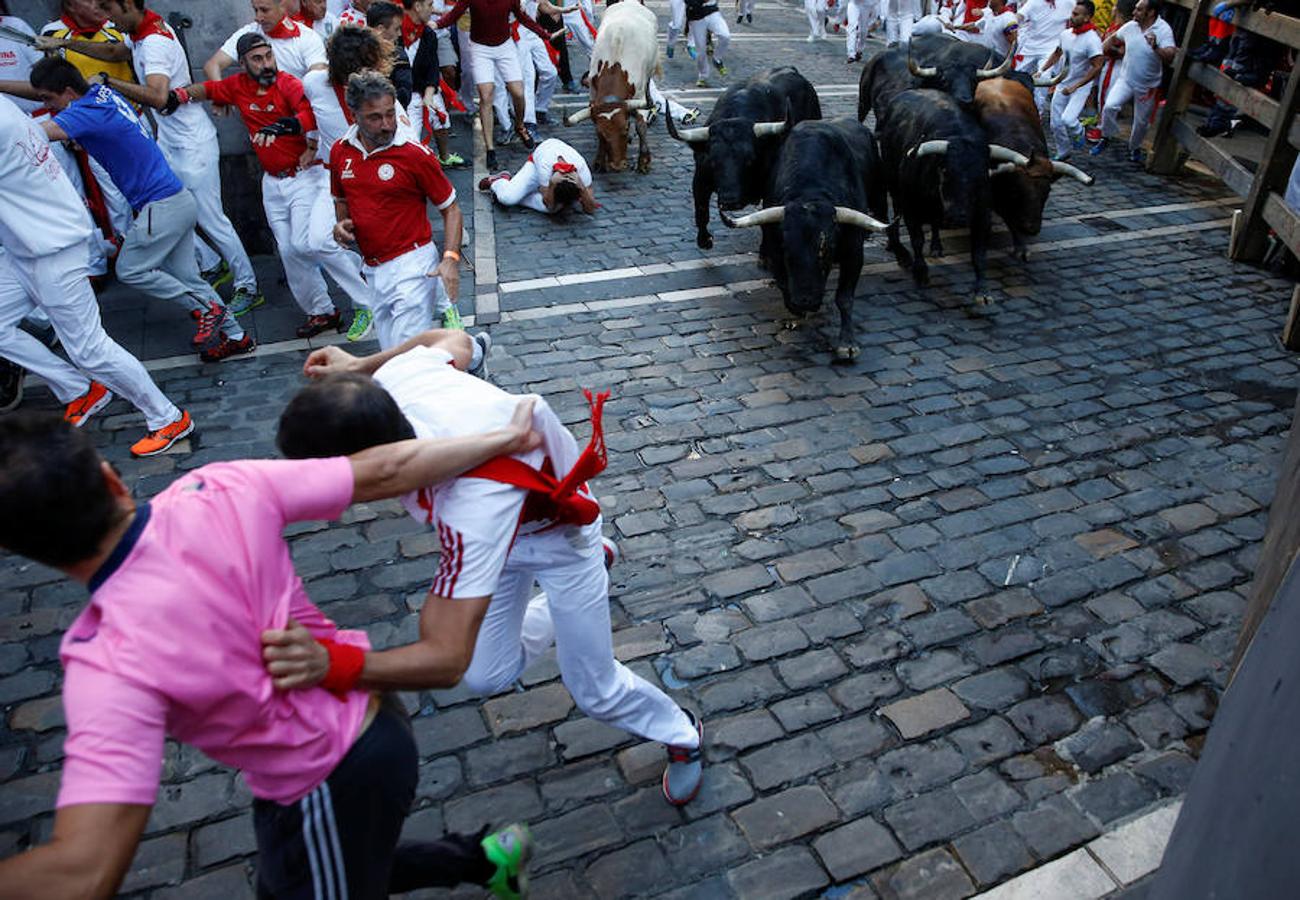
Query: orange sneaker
point(156, 442)
point(89, 403)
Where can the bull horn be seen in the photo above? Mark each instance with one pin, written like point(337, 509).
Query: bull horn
point(1001, 69)
point(846, 216)
point(766, 129)
point(772, 215)
point(930, 148)
point(1063, 168)
point(920, 71)
point(581, 115)
point(688, 135)
point(1003, 168)
point(1001, 154)
point(637, 103)
point(1053, 80)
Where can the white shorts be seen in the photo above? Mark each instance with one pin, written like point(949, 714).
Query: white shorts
point(488, 61)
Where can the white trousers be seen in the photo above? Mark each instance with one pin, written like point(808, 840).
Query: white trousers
point(300, 212)
point(816, 12)
point(700, 30)
point(582, 24)
point(1065, 117)
point(569, 565)
point(665, 104)
point(405, 297)
point(524, 188)
point(746, 8)
point(198, 168)
point(1144, 104)
point(860, 15)
point(58, 285)
point(676, 20)
point(539, 77)
point(1030, 66)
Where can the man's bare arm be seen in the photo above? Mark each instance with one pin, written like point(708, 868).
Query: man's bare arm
point(18, 89)
point(87, 855)
point(152, 93)
point(108, 51)
point(217, 64)
point(331, 360)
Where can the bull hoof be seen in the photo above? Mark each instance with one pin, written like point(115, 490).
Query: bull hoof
point(921, 276)
point(846, 353)
point(791, 324)
point(936, 248)
point(1022, 254)
point(643, 164)
point(982, 300)
point(704, 240)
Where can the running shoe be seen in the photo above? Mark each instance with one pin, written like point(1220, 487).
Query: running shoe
point(692, 116)
point(314, 325)
point(218, 274)
point(533, 132)
point(452, 160)
point(720, 66)
point(525, 137)
point(1099, 148)
point(504, 136)
point(78, 411)
point(1137, 156)
point(492, 160)
point(1092, 135)
point(484, 341)
point(156, 442)
point(611, 552)
point(451, 319)
point(243, 300)
point(700, 82)
point(12, 377)
point(739, 19)
point(509, 850)
point(749, 18)
point(206, 323)
point(1088, 121)
point(669, 51)
point(363, 321)
point(690, 50)
point(1060, 157)
point(685, 770)
point(485, 183)
point(227, 347)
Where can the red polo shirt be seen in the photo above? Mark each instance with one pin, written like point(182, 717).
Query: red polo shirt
point(284, 98)
point(385, 191)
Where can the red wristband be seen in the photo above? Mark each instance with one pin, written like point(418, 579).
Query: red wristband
point(346, 663)
point(182, 95)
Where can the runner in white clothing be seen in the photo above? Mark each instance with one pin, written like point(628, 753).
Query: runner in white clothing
point(186, 137)
point(315, 15)
point(539, 74)
point(554, 178)
point(1041, 24)
point(1147, 44)
point(502, 526)
point(44, 229)
point(996, 28)
point(17, 59)
point(297, 48)
point(1082, 50)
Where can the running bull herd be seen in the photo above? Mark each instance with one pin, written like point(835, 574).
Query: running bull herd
point(958, 138)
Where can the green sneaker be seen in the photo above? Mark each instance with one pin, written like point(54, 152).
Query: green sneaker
point(509, 850)
point(452, 161)
point(451, 319)
point(363, 321)
point(218, 274)
point(243, 300)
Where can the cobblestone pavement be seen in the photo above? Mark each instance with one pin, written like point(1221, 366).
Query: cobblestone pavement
point(947, 613)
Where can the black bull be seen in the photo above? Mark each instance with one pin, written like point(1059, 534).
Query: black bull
point(827, 193)
point(931, 65)
point(736, 150)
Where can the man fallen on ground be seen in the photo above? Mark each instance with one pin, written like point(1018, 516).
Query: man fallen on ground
point(181, 590)
point(554, 178)
point(501, 527)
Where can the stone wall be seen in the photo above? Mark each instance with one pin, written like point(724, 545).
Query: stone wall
point(213, 21)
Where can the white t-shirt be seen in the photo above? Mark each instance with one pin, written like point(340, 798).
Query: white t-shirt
point(476, 519)
point(16, 59)
point(1079, 50)
point(1140, 67)
point(40, 211)
point(546, 154)
point(331, 122)
point(157, 54)
point(996, 31)
point(1041, 23)
point(294, 55)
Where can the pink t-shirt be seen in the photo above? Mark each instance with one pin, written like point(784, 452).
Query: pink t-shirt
point(169, 644)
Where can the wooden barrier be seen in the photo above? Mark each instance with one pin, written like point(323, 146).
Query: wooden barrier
point(1176, 139)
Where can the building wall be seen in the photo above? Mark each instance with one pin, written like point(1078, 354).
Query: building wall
point(213, 21)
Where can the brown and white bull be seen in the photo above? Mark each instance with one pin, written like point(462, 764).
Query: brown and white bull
point(624, 59)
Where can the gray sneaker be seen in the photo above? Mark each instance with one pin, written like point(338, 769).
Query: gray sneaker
point(484, 341)
point(685, 770)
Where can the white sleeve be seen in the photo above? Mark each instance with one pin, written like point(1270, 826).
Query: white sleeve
point(151, 56)
point(313, 49)
point(1164, 35)
point(228, 47)
point(584, 173)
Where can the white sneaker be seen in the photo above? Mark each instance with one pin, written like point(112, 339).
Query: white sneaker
point(484, 341)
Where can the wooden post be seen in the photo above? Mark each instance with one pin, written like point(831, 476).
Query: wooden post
point(1291, 331)
point(1274, 170)
point(1165, 150)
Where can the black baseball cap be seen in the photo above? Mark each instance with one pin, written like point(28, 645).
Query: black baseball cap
point(250, 41)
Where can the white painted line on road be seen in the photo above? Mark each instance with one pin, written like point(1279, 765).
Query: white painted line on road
point(486, 299)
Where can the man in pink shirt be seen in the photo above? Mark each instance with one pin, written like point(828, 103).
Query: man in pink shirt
point(333, 770)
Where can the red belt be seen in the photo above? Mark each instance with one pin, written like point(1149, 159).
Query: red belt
point(289, 173)
point(380, 260)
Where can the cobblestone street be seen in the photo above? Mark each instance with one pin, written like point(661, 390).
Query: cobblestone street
point(948, 613)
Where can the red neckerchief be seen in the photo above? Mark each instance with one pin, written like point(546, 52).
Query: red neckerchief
point(564, 168)
point(301, 16)
point(549, 497)
point(1083, 29)
point(411, 31)
point(152, 23)
point(285, 28)
point(343, 105)
point(76, 31)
